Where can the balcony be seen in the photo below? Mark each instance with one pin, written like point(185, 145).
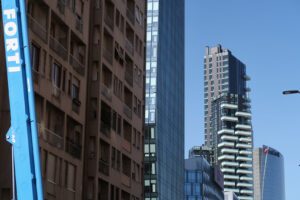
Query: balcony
point(226, 144)
point(245, 152)
point(246, 77)
point(245, 198)
point(243, 114)
point(77, 66)
point(226, 131)
point(229, 106)
point(244, 165)
point(248, 89)
point(53, 139)
point(243, 133)
point(229, 183)
point(244, 185)
point(229, 138)
point(243, 146)
point(243, 139)
point(129, 46)
point(56, 92)
point(242, 126)
point(226, 157)
point(246, 178)
point(103, 167)
point(105, 91)
point(242, 158)
point(37, 28)
point(230, 164)
point(234, 151)
point(227, 170)
point(73, 149)
point(59, 47)
point(231, 190)
point(108, 55)
point(232, 177)
point(230, 119)
point(243, 171)
point(127, 111)
point(130, 16)
point(246, 192)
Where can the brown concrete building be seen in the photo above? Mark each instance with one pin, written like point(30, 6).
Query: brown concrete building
point(88, 73)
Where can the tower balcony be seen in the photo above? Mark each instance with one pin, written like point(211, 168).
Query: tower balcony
point(243, 114)
point(245, 198)
point(247, 78)
point(227, 170)
point(246, 191)
point(246, 178)
point(229, 106)
point(245, 165)
point(230, 119)
point(244, 185)
point(225, 150)
point(248, 89)
point(226, 131)
point(245, 139)
point(243, 152)
point(226, 144)
point(226, 157)
point(243, 171)
point(244, 146)
point(243, 133)
point(231, 177)
point(229, 183)
point(230, 164)
point(242, 158)
point(229, 138)
point(236, 191)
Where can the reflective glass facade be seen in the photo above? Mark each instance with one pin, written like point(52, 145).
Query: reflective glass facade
point(268, 174)
point(200, 181)
point(164, 107)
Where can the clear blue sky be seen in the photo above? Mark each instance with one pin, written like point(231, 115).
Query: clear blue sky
point(265, 35)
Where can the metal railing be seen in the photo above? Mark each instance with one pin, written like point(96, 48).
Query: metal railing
point(56, 92)
point(77, 66)
point(73, 149)
point(106, 92)
point(129, 46)
point(109, 22)
point(103, 166)
point(108, 55)
point(127, 111)
point(53, 139)
point(37, 28)
point(130, 16)
point(59, 48)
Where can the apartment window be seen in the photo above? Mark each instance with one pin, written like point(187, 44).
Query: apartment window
point(119, 124)
point(113, 158)
point(70, 176)
point(114, 121)
point(139, 108)
point(75, 88)
point(35, 57)
point(56, 75)
point(117, 18)
point(126, 165)
point(51, 168)
point(135, 105)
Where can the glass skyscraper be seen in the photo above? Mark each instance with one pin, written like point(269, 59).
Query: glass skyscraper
point(164, 107)
point(268, 174)
point(202, 181)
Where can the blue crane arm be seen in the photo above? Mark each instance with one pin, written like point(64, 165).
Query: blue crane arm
point(23, 131)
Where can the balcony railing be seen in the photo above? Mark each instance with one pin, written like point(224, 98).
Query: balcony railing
point(103, 167)
point(53, 139)
point(127, 111)
point(108, 55)
point(73, 149)
point(59, 47)
point(37, 28)
point(130, 16)
point(56, 92)
point(77, 66)
point(128, 78)
point(109, 22)
point(129, 46)
point(105, 91)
